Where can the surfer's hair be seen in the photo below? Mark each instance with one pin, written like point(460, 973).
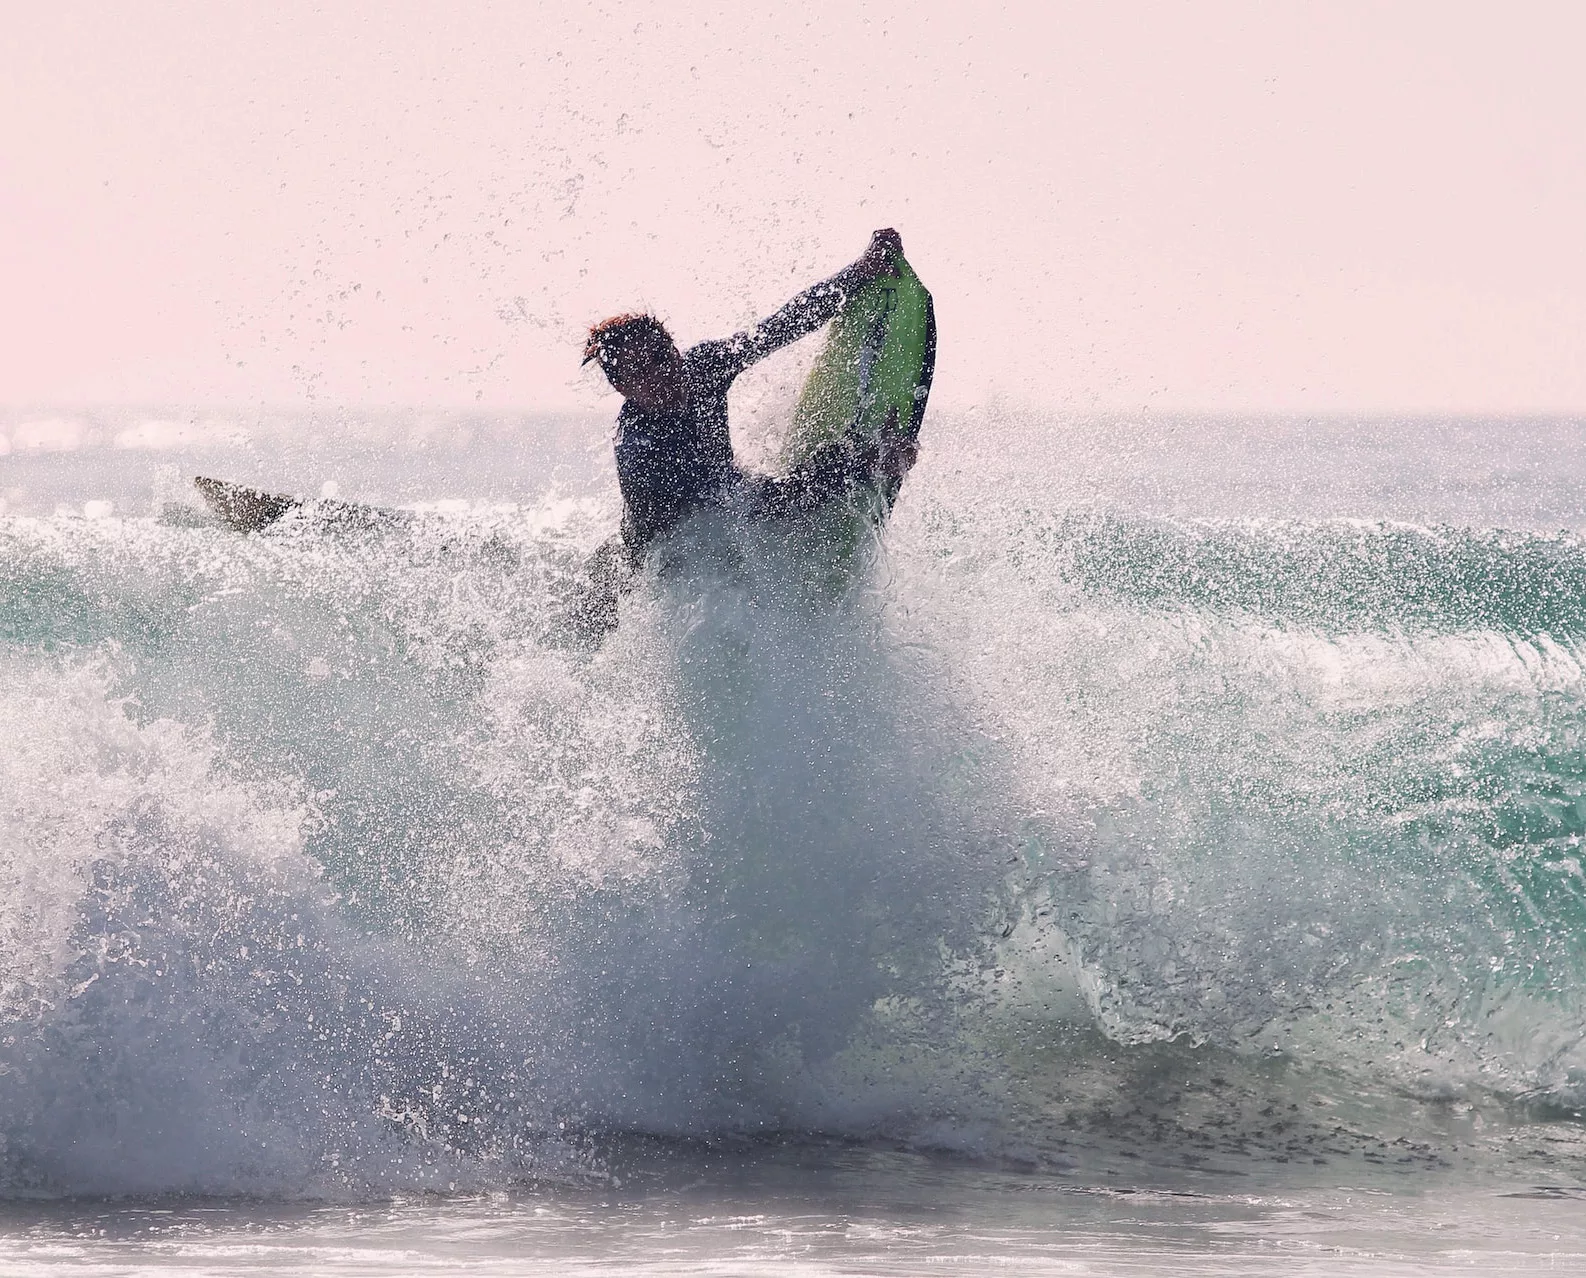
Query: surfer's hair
point(612, 340)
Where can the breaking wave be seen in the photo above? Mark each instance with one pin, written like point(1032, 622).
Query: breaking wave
point(338, 864)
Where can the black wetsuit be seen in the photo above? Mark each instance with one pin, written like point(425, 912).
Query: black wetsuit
point(672, 461)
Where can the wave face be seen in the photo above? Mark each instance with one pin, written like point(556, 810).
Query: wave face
point(334, 863)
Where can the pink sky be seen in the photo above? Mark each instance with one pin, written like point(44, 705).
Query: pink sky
point(1229, 207)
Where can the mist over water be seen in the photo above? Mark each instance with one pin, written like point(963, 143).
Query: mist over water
point(1161, 800)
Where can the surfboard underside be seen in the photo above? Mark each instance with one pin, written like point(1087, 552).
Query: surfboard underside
point(869, 388)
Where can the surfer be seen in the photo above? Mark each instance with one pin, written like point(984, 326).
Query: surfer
point(673, 448)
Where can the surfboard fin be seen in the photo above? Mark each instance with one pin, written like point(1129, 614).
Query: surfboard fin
point(244, 509)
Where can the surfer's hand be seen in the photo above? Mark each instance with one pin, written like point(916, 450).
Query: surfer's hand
point(877, 259)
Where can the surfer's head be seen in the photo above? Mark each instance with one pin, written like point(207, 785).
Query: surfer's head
point(639, 359)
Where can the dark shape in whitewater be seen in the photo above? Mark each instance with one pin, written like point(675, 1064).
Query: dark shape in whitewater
point(252, 509)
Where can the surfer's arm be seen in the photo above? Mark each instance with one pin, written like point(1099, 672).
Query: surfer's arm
point(805, 313)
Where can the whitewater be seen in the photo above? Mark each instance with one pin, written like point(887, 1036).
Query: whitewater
point(1162, 852)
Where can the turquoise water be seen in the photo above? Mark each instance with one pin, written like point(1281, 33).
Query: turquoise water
point(1173, 812)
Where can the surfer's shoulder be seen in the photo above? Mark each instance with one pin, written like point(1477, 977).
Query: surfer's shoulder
point(718, 360)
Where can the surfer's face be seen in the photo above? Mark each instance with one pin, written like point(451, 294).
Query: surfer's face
point(651, 375)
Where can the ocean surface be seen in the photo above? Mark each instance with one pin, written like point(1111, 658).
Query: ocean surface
point(1160, 852)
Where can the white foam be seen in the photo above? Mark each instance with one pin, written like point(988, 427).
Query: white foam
point(741, 867)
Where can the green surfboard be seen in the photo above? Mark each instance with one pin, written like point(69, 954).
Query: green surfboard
point(870, 382)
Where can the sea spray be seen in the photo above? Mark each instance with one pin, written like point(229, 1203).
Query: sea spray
point(1348, 815)
point(659, 886)
point(341, 865)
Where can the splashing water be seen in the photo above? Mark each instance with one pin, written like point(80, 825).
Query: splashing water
point(336, 864)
